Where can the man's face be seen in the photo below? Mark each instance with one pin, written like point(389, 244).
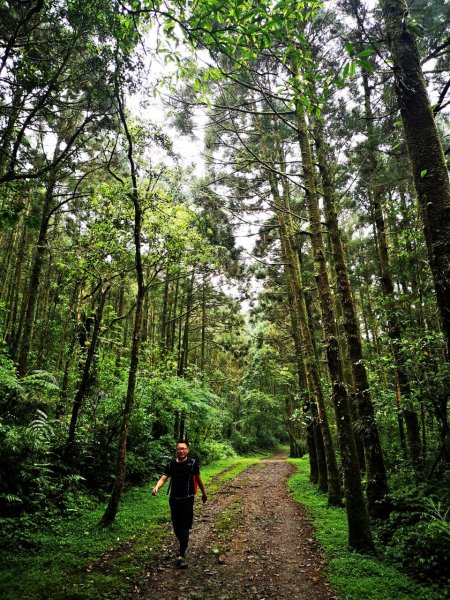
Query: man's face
point(182, 451)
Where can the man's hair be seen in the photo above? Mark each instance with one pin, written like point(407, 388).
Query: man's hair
point(183, 442)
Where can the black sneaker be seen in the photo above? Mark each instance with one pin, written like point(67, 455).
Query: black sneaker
point(181, 562)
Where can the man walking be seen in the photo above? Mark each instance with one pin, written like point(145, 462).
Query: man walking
point(184, 476)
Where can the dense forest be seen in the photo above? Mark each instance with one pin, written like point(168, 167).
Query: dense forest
point(228, 222)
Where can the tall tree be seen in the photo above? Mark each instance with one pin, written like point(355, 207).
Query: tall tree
point(134, 197)
point(307, 368)
point(377, 486)
point(424, 149)
point(360, 536)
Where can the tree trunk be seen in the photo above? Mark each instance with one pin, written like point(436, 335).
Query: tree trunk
point(377, 485)
point(303, 338)
point(33, 288)
point(394, 330)
point(424, 150)
point(360, 535)
point(7, 259)
point(13, 277)
point(85, 382)
point(318, 470)
point(164, 324)
point(184, 340)
point(8, 132)
point(119, 348)
point(203, 327)
point(116, 494)
point(42, 341)
point(145, 312)
point(171, 329)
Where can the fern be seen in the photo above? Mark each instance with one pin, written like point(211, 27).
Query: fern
point(436, 511)
point(11, 499)
point(41, 382)
point(8, 375)
point(41, 427)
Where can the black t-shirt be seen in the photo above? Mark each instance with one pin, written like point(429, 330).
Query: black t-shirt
point(181, 474)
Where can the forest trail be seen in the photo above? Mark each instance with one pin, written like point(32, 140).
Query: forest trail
point(251, 542)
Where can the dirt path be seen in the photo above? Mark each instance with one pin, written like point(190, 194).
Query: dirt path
point(252, 542)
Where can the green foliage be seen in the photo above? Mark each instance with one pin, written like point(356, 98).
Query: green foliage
point(260, 423)
point(416, 536)
point(8, 377)
point(71, 557)
point(28, 481)
point(20, 398)
point(60, 70)
point(424, 551)
point(158, 401)
point(352, 576)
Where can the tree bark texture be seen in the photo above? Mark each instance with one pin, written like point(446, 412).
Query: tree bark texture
point(116, 494)
point(304, 339)
point(377, 485)
point(424, 149)
point(360, 536)
point(329, 477)
point(184, 341)
point(33, 288)
point(83, 388)
point(387, 284)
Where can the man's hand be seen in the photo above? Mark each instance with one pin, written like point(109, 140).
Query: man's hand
point(204, 498)
point(155, 490)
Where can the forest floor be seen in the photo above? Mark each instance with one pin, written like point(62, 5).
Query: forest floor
point(251, 541)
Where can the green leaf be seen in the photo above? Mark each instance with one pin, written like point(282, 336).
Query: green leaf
point(423, 173)
point(350, 49)
point(366, 52)
point(366, 65)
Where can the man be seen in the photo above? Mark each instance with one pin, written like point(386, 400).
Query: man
point(182, 472)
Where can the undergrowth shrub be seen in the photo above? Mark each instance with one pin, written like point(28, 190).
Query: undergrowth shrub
point(208, 451)
point(416, 536)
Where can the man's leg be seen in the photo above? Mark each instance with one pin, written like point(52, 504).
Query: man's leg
point(183, 538)
point(182, 514)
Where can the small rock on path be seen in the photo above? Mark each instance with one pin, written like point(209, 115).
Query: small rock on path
point(268, 552)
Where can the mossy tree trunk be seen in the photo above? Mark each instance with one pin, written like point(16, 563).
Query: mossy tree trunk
point(424, 150)
point(387, 284)
point(308, 371)
point(377, 485)
point(360, 535)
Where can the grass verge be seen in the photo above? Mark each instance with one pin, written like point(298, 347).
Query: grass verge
point(77, 560)
point(353, 576)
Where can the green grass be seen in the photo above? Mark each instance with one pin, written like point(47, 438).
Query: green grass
point(353, 576)
point(77, 560)
point(218, 473)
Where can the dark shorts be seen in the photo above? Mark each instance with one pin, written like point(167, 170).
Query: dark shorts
point(182, 512)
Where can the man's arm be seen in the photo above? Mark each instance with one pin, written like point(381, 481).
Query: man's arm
point(159, 485)
point(201, 485)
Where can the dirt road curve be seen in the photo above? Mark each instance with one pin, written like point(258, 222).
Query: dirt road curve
point(251, 542)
